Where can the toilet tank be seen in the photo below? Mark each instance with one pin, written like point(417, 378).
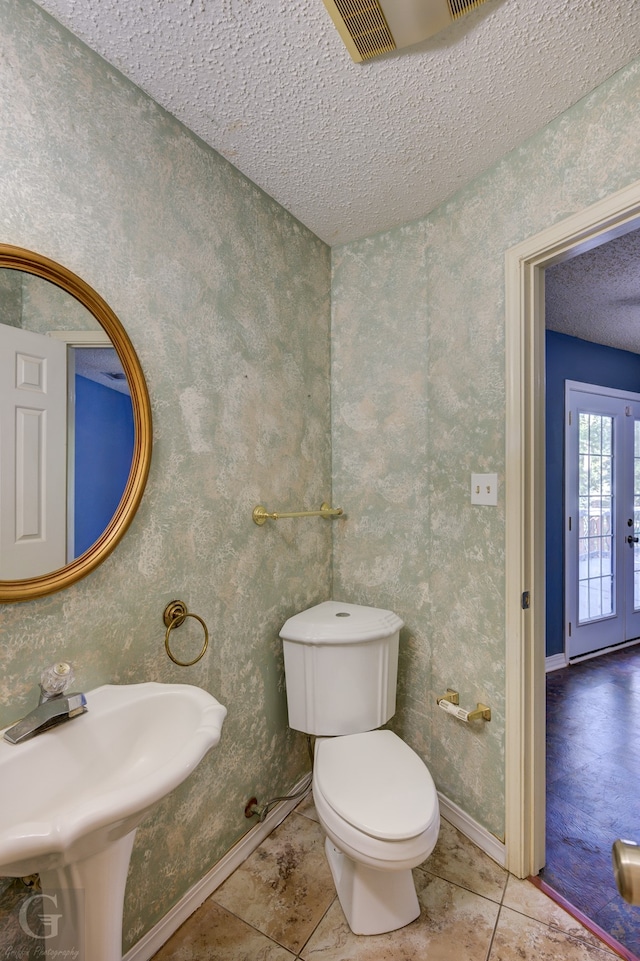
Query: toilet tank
point(341, 668)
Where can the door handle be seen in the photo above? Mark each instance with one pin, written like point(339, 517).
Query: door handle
point(631, 539)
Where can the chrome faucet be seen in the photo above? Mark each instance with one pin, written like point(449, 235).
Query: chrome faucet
point(54, 706)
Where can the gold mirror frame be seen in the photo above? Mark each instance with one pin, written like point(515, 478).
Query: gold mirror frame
point(18, 258)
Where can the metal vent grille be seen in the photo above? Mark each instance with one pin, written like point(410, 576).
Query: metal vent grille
point(458, 8)
point(366, 26)
point(371, 27)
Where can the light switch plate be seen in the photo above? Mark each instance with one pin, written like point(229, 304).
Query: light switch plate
point(484, 489)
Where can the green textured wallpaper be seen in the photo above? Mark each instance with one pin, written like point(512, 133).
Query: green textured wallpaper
point(266, 356)
point(227, 301)
point(418, 404)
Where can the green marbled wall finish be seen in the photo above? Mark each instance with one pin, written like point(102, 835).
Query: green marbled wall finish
point(418, 404)
point(35, 304)
point(10, 298)
point(227, 301)
point(46, 307)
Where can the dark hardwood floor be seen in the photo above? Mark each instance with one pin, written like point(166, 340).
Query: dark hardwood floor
point(593, 785)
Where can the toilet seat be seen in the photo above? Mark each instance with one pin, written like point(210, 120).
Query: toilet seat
point(377, 784)
point(367, 775)
point(362, 848)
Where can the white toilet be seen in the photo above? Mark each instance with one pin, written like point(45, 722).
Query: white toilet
point(374, 796)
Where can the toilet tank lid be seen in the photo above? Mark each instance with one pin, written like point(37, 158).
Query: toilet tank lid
point(334, 622)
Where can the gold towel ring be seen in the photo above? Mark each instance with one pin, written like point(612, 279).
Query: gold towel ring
point(175, 614)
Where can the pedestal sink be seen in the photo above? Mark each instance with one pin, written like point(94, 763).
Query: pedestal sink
point(73, 796)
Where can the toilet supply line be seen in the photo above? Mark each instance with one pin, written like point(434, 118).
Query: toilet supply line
point(253, 809)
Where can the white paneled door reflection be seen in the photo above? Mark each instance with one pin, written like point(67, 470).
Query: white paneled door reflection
point(33, 453)
point(602, 518)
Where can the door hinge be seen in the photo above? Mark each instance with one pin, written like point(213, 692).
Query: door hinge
point(526, 600)
point(569, 628)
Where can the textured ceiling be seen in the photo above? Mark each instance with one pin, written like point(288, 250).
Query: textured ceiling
point(596, 295)
point(351, 149)
point(102, 365)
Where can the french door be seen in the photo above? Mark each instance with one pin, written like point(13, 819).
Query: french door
point(602, 517)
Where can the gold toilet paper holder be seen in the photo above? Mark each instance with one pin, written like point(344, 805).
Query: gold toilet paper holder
point(482, 712)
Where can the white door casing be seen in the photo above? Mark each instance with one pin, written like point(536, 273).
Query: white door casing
point(75, 340)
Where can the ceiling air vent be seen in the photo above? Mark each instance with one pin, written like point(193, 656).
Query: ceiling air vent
point(458, 8)
point(362, 26)
point(373, 27)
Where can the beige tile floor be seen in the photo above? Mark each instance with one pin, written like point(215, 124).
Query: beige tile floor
point(281, 905)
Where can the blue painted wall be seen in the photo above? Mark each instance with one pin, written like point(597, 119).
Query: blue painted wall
point(569, 358)
point(104, 447)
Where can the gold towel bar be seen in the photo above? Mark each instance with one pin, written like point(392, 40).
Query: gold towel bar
point(449, 702)
point(261, 515)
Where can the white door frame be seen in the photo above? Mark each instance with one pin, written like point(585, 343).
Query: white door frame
point(525, 494)
point(75, 338)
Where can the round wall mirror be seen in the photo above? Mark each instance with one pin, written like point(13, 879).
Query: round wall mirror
point(75, 427)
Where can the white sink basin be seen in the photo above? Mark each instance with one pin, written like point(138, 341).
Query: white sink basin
point(73, 796)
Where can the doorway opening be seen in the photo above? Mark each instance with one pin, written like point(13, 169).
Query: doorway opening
point(525, 511)
point(592, 765)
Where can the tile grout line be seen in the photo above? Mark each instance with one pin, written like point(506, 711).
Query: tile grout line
point(253, 927)
point(495, 927)
point(493, 934)
point(325, 913)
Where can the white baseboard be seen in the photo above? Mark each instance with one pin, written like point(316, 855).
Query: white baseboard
point(555, 662)
point(604, 650)
point(154, 939)
point(482, 838)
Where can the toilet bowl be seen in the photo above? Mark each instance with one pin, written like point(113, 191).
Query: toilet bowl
point(378, 806)
point(375, 797)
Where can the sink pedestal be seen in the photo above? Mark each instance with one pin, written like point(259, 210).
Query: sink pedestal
point(82, 905)
point(75, 796)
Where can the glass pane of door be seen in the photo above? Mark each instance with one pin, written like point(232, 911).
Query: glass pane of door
point(597, 434)
point(596, 598)
point(636, 515)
